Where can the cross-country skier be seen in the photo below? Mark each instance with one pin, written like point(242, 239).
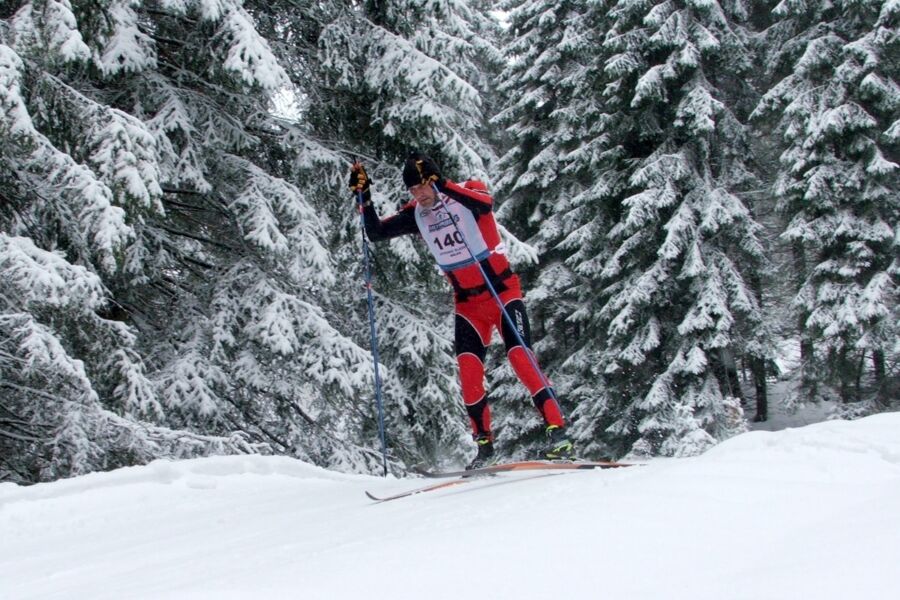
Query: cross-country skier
point(477, 311)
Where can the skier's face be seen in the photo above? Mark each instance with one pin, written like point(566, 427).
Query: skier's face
point(423, 194)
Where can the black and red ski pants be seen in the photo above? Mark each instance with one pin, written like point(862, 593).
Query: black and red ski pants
point(476, 318)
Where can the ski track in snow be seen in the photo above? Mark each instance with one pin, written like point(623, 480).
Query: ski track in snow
point(812, 512)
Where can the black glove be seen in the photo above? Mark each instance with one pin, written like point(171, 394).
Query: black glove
point(360, 181)
point(429, 170)
point(419, 169)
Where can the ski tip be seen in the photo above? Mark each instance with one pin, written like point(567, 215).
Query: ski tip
point(374, 498)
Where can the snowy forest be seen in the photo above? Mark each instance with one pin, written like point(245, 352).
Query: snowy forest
point(690, 189)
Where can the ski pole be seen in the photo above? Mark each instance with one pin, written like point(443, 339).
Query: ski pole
point(372, 333)
point(528, 353)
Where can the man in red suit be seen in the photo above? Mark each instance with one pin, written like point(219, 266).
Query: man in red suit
point(459, 249)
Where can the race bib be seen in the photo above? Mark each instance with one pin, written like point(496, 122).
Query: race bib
point(446, 241)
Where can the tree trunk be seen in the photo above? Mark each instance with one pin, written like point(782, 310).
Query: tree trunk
point(758, 363)
point(809, 384)
point(878, 365)
point(860, 367)
point(844, 376)
point(729, 365)
point(758, 367)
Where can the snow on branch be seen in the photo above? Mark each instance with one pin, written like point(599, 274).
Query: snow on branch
point(624, 64)
point(283, 325)
point(681, 233)
point(51, 29)
point(646, 339)
point(276, 217)
point(177, 144)
point(265, 338)
point(662, 168)
point(652, 86)
point(42, 353)
point(520, 253)
point(248, 53)
point(821, 53)
point(643, 207)
point(417, 89)
point(189, 384)
point(709, 317)
point(125, 49)
point(116, 145)
point(41, 279)
point(100, 225)
point(210, 10)
point(122, 152)
point(697, 111)
point(45, 283)
point(720, 210)
point(398, 56)
point(836, 123)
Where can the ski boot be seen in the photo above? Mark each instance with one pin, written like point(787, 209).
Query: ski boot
point(485, 454)
point(560, 447)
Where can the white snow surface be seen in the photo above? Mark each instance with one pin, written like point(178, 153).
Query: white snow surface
point(812, 512)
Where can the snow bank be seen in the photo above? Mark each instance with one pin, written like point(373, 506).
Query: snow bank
point(804, 513)
point(864, 450)
point(199, 473)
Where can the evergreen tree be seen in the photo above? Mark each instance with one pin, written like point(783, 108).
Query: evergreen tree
point(141, 164)
point(836, 105)
point(548, 48)
point(251, 338)
point(671, 307)
point(81, 178)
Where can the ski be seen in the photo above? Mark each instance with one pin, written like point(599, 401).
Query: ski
point(528, 465)
point(478, 474)
point(421, 490)
point(454, 482)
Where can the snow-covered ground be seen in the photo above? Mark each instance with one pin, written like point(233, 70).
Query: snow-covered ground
point(807, 513)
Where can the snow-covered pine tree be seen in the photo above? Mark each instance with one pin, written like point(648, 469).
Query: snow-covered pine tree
point(139, 159)
point(404, 75)
point(548, 49)
point(837, 107)
point(673, 307)
point(252, 339)
point(80, 177)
